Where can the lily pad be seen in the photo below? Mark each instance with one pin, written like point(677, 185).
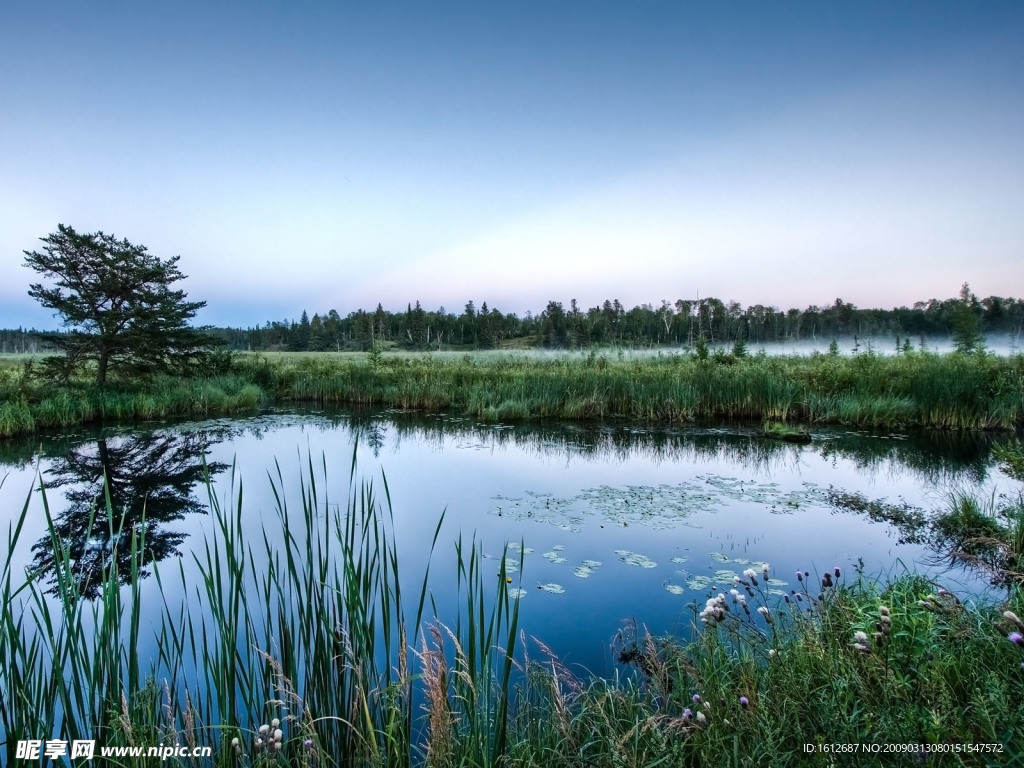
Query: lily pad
point(635, 558)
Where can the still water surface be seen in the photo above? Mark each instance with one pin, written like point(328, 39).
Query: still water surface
point(611, 522)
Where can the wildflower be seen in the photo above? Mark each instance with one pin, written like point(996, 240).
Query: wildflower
point(1016, 637)
point(275, 723)
point(751, 574)
point(772, 653)
point(744, 702)
point(278, 734)
point(687, 714)
point(696, 698)
point(786, 598)
point(264, 729)
point(307, 743)
point(837, 572)
point(884, 625)
point(860, 642)
point(701, 719)
point(799, 576)
point(764, 571)
point(763, 610)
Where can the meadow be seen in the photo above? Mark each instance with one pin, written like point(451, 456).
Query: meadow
point(912, 389)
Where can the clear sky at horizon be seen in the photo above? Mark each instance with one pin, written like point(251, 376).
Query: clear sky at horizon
point(335, 155)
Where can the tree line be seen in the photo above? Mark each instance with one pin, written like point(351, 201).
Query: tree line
point(682, 323)
point(559, 327)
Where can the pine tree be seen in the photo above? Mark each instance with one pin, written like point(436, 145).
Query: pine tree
point(967, 336)
point(116, 301)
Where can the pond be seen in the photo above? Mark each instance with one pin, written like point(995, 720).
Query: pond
point(598, 523)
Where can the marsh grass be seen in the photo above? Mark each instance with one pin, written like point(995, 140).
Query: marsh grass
point(749, 692)
point(308, 624)
point(33, 407)
point(951, 391)
point(916, 389)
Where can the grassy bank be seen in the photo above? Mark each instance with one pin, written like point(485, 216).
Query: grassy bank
point(916, 389)
point(310, 625)
point(28, 406)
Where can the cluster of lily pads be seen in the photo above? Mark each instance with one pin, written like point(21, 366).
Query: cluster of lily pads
point(654, 506)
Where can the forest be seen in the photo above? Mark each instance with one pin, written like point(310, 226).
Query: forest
point(610, 324)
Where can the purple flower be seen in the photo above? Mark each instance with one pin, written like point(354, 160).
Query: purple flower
point(799, 576)
point(696, 698)
point(308, 743)
point(1016, 637)
point(687, 714)
point(837, 572)
point(744, 701)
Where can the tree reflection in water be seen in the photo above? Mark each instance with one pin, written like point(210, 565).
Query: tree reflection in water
point(117, 488)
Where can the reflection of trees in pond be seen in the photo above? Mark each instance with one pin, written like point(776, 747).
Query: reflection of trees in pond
point(968, 532)
point(117, 488)
point(933, 455)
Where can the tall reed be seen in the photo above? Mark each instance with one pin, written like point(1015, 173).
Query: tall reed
point(305, 622)
point(952, 391)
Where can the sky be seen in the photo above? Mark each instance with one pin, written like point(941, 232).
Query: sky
point(319, 155)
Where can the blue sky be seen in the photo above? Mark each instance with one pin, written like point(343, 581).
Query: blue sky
point(333, 155)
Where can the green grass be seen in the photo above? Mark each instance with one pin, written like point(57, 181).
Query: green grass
point(32, 407)
point(775, 430)
point(941, 673)
point(917, 389)
point(308, 621)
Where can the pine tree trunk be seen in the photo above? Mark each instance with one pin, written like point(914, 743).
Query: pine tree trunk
point(101, 368)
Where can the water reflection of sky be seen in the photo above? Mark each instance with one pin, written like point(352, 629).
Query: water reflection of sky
point(696, 503)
